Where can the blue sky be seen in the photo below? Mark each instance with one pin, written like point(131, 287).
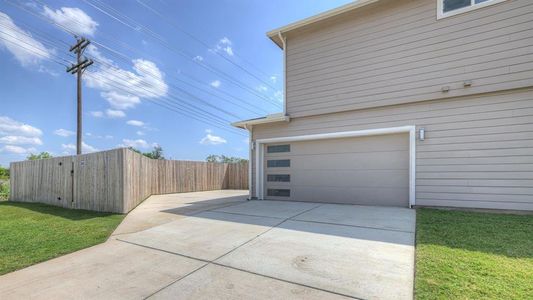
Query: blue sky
point(172, 73)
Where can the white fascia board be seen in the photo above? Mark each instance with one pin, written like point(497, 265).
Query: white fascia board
point(266, 120)
point(274, 34)
point(335, 135)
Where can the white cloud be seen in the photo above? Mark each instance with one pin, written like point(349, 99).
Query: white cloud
point(135, 123)
point(108, 137)
point(20, 140)
point(124, 89)
point(72, 18)
point(43, 69)
point(274, 78)
point(9, 126)
point(211, 139)
point(262, 88)
point(139, 143)
point(21, 44)
point(111, 113)
point(225, 45)
point(215, 83)
point(17, 150)
point(120, 101)
point(97, 114)
point(278, 95)
point(198, 58)
point(139, 132)
point(64, 132)
point(71, 148)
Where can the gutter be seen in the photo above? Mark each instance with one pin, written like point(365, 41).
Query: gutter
point(250, 153)
point(284, 44)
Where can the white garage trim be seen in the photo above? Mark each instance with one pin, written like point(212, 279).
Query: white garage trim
point(259, 151)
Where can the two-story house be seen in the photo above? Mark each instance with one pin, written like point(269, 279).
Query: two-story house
point(403, 103)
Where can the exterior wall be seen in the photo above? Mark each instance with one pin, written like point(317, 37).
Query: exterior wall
point(396, 51)
point(478, 150)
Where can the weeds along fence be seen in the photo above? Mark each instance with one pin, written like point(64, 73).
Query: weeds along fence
point(116, 180)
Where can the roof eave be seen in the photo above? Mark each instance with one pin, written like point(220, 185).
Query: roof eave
point(268, 119)
point(274, 34)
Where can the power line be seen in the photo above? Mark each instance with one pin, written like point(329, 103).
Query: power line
point(185, 54)
point(114, 52)
point(211, 116)
point(169, 107)
point(190, 35)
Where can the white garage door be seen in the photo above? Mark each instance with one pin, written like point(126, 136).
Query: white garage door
point(371, 170)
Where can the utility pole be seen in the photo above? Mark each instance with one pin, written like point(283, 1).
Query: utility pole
point(78, 68)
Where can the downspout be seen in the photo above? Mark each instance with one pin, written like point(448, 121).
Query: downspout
point(284, 43)
point(250, 154)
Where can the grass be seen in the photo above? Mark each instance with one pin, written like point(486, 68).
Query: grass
point(33, 232)
point(470, 255)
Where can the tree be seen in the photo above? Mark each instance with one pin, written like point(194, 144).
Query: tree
point(224, 159)
point(41, 155)
point(4, 173)
point(157, 153)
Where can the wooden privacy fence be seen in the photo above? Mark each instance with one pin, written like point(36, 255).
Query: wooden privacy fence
point(116, 180)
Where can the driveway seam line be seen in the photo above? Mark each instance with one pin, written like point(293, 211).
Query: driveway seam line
point(165, 251)
point(166, 286)
point(284, 280)
point(247, 215)
point(346, 225)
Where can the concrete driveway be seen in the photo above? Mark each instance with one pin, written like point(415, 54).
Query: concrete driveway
point(216, 245)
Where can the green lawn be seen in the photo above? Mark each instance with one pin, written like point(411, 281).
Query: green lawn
point(467, 255)
point(32, 232)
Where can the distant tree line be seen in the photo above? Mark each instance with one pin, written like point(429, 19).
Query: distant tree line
point(224, 159)
point(41, 155)
point(156, 153)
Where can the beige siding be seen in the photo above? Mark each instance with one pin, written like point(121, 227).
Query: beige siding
point(396, 51)
point(478, 150)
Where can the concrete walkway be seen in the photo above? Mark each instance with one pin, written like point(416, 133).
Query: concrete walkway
point(216, 245)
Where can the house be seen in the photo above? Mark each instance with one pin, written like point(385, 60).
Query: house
point(403, 103)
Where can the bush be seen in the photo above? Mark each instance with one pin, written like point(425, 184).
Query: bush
point(4, 190)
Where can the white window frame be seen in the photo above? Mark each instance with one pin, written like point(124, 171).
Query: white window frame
point(411, 129)
point(473, 6)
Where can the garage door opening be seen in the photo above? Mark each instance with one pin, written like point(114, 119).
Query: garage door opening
point(369, 167)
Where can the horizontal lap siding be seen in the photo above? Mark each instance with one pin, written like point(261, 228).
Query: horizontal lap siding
point(396, 52)
point(478, 150)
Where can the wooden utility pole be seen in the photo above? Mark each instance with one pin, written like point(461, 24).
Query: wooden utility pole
point(78, 68)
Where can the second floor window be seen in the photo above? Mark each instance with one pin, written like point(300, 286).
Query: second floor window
point(453, 7)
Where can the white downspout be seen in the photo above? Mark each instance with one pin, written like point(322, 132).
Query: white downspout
point(284, 43)
point(250, 154)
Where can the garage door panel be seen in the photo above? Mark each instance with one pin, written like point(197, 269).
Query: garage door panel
point(351, 161)
point(352, 145)
point(347, 195)
point(371, 170)
point(374, 178)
